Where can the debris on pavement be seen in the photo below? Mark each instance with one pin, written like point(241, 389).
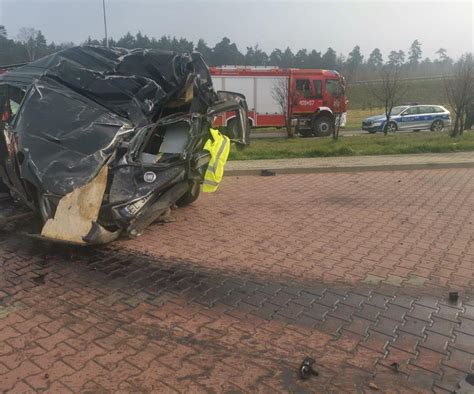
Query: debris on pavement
point(267, 173)
point(373, 386)
point(395, 366)
point(453, 296)
point(101, 142)
point(306, 368)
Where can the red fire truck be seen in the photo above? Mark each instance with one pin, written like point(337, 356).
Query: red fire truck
point(315, 102)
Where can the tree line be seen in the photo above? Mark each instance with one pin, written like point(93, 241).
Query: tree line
point(31, 44)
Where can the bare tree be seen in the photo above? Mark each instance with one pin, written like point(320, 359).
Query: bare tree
point(459, 90)
point(389, 90)
point(337, 126)
point(27, 36)
point(280, 94)
point(339, 104)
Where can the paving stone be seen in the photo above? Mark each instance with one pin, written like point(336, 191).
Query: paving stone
point(463, 342)
point(394, 312)
point(377, 341)
point(403, 301)
point(421, 312)
point(256, 299)
point(354, 300)
point(305, 299)
point(266, 311)
point(232, 299)
point(343, 312)
point(443, 327)
point(317, 311)
point(429, 360)
point(406, 342)
point(468, 312)
point(378, 300)
point(271, 288)
point(448, 313)
point(413, 326)
point(292, 310)
point(416, 281)
point(368, 312)
point(429, 302)
point(394, 280)
point(450, 379)
point(460, 360)
point(329, 299)
point(386, 326)
point(466, 326)
point(373, 280)
point(420, 377)
point(281, 298)
point(436, 342)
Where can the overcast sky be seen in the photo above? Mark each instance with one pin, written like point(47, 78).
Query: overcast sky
point(272, 24)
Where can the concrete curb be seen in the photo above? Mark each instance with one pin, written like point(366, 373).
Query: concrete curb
point(359, 168)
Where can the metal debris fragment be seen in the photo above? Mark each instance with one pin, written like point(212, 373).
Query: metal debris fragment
point(306, 368)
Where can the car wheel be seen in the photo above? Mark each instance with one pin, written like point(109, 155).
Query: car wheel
point(190, 196)
point(372, 131)
point(392, 127)
point(323, 126)
point(437, 125)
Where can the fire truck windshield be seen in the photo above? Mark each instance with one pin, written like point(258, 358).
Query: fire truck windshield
point(333, 87)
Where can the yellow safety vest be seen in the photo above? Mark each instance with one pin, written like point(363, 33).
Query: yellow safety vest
point(219, 148)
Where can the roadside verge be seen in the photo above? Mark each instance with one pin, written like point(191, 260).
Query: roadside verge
point(352, 163)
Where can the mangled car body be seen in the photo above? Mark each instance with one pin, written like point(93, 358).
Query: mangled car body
point(100, 142)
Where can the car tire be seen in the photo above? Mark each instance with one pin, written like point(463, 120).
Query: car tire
point(392, 127)
point(372, 131)
point(190, 196)
point(437, 125)
point(323, 126)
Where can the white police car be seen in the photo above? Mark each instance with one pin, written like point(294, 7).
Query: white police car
point(410, 117)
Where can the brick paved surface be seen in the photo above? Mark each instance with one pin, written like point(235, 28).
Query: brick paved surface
point(351, 269)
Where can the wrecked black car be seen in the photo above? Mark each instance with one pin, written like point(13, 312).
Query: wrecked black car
point(101, 142)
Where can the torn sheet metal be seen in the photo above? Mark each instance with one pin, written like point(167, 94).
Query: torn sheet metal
point(77, 211)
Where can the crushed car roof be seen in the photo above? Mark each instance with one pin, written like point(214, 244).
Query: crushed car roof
point(80, 99)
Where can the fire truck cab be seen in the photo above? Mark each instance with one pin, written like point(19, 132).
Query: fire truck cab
point(314, 99)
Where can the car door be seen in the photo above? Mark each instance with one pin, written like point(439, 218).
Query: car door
point(427, 114)
point(409, 119)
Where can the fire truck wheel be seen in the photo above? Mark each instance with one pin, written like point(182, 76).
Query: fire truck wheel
point(323, 126)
